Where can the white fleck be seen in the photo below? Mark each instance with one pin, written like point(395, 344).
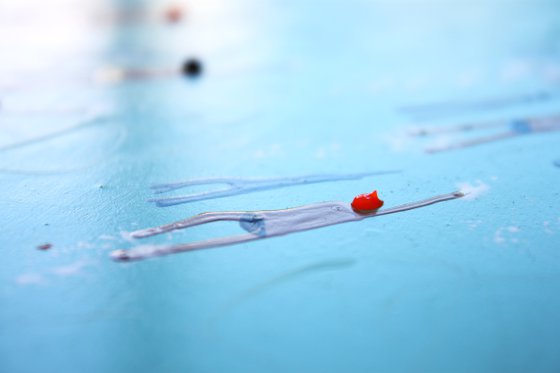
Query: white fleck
point(516, 70)
point(440, 142)
point(70, 269)
point(107, 237)
point(127, 236)
point(498, 237)
point(472, 224)
point(109, 75)
point(327, 151)
point(29, 279)
point(474, 190)
point(547, 229)
point(274, 150)
point(399, 141)
point(504, 234)
point(85, 245)
point(320, 154)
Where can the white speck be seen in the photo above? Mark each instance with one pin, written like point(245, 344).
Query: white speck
point(29, 279)
point(440, 142)
point(504, 235)
point(70, 269)
point(85, 245)
point(399, 141)
point(327, 151)
point(516, 70)
point(127, 236)
point(547, 228)
point(109, 75)
point(107, 237)
point(320, 154)
point(498, 237)
point(473, 223)
point(473, 191)
point(274, 150)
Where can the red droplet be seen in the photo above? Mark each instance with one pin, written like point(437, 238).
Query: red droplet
point(174, 14)
point(367, 202)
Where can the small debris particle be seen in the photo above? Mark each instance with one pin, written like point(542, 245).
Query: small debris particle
point(45, 246)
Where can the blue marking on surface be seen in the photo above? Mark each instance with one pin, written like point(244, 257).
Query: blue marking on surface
point(521, 127)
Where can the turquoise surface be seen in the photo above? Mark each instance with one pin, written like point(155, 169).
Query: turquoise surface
point(289, 88)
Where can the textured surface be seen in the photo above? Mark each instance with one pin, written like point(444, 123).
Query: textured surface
point(289, 88)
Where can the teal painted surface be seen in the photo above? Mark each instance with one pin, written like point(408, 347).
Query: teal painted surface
point(290, 88)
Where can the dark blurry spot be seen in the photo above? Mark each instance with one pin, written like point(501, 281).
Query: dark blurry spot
point(556, 163)
point(44, 246)
point(192, 68)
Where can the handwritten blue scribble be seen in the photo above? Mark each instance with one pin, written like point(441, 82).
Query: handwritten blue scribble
point(237, 186)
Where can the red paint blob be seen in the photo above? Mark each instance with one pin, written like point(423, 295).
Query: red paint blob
point(174, 14)
point(367, 202)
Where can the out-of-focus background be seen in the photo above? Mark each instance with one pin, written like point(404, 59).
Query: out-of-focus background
point(94, 109)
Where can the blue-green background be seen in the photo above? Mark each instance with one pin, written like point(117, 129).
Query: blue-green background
point(289, 88)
